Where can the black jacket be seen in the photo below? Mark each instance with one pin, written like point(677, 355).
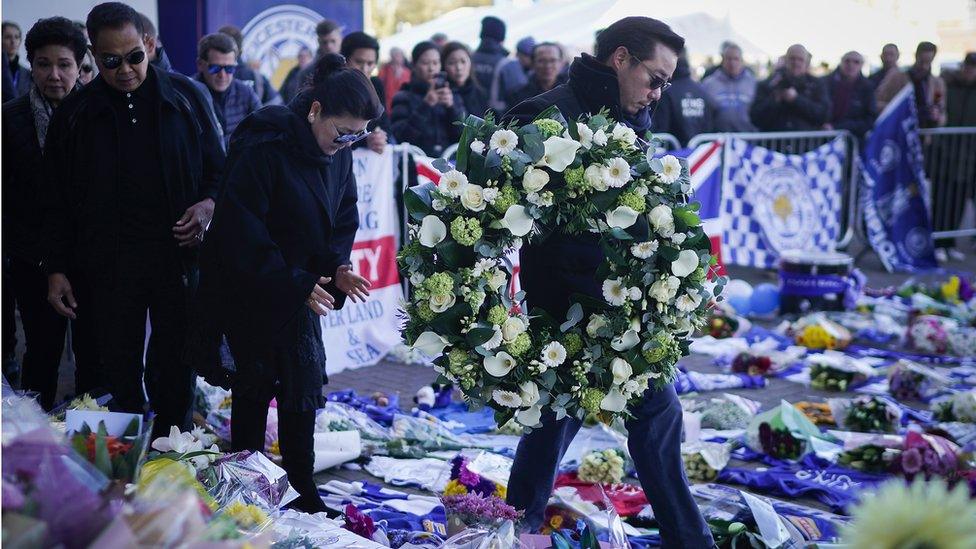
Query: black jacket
point(82, 215)
point(529, 91)
point(686, 109)
point(560, 265)
point(475, 99)
point(22, 180)
point(413, 121)
point(960, 100)
point(861, 110)
point(808, 112)
point(286, 216)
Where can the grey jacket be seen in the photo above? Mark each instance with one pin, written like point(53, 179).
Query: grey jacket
point(733, 96)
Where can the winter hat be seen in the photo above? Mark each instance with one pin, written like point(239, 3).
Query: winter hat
point(494, 28)
point(526, 45)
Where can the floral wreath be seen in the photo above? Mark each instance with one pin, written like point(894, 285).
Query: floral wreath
point(513, 183)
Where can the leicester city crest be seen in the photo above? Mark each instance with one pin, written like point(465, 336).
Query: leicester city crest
point(783, 206)
point(274, 37)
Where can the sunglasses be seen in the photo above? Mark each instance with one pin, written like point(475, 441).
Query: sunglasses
point(348, 138)
point(215, 69)
point(656, 81)
point(86, 69)
point(112, 62)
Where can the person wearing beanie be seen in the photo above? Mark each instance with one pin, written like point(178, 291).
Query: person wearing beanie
point(495, 72)
point(425, 109)
point(523, 52)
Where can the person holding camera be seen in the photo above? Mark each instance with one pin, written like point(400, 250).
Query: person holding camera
point(791, 99)
point(425, 109)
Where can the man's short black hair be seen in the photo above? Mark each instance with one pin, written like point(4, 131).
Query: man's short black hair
point(216, 41)
point(235, 33)
point(358, 41)
point(547, 45)
point(112, 15)
point(57, 31)
point(889, 45)
point(640, 35)
point(10, 24)
point(926, 47)
point(326, 26)
point(147, 26)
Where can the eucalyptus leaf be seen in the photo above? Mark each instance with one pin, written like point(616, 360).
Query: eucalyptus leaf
point(493, 160)
point(442, 165)
point(573, 317)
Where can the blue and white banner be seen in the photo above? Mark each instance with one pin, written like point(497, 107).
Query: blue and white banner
point(705, 169)
point(894, 189)
point(773, 202)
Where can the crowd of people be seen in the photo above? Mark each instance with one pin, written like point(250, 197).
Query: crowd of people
point(114, 164)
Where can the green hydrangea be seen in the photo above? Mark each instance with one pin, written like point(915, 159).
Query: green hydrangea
point(574, 178)
point(457, 358)
point(520, 345)
point(466, 231)
point(497, 315)
point(439, 284)
point(425, 312)
point(507, 197)
point(698, 275)
point(592, 397)
point(549, 127)
point(665, 344)
point(633, 201)
point(475, 299)
point(573, 344)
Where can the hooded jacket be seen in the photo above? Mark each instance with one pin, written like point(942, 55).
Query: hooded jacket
point(685, 109)
point(498, 75)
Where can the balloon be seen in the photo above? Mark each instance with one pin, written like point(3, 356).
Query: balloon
point(765, 299)
point(737, 288)
point(740, 304)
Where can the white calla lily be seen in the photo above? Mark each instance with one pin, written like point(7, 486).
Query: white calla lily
point(614, 401)
point(625, 341)
point(433, 231)
point(499, 365)
point(686, 263)
point(621, 217)
point(517, 220)
point(430, 344)
point(530, 417)
point(559, 153)
point(621, 370)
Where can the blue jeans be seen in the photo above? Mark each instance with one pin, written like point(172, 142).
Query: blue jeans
point(655, 446)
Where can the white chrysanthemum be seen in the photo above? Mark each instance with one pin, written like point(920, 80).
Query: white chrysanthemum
point(494, 341)
point(553, 354)
point(615, 292)
point(672, 169)
point(924, 514)
point(438, 204)
point(503, 141)
point(478, 146)
point(595, 176)
point(600, 138)
point(644, 250)
point(490, 194)
point(482, 266)
point(507, 399)
point(585, 135)
point(688, 302)
point(473, 198)
point(624, 134)
point(618, 173)
point(453, 182)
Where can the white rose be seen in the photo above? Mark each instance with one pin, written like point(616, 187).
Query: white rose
point(478, 146)
point(432, 231)
point(499, 365)
point(438, 204)
point(624, 134)
point(473, 198)
point(559, 153)
point(430, 344)
point(453, 183)
point(535, 179)
point(595, 176)
point(672, 169)
point(529, 392)
point(686, 263)
point(497, 280)
point(442, 302)
point(662, 220)
point(585, 135)
point(621, 370)
point(596, 323)
point(512, 328)
point(600, 138)
point(503, 141)
point(635, 293)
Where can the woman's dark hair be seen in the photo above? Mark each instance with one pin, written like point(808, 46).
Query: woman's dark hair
point(358, 41)
point(56, 31)
point(640, 35)
point(112, 15)
point(12, 24)
point(340, 90)
point(452, 47)
point(420, 49)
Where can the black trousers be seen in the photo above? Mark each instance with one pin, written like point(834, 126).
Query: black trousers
point(44, 333)
point(9, 305)
point(296, 431)
point(150, 280)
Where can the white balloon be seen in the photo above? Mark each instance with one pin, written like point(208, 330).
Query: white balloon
point(737, 288)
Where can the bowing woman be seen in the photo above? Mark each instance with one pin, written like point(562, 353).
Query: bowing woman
point(276, 257)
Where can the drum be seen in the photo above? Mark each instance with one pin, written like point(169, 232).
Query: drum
point(814, 281)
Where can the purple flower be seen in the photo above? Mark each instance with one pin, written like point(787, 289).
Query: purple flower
point(456, 465)
point(467, 478)
point(911, 461)
point(931, 460)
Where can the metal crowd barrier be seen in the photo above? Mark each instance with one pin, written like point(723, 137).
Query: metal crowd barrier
point(950, 165)
point(799, 143)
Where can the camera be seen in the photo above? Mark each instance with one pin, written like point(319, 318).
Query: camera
point(440, 80)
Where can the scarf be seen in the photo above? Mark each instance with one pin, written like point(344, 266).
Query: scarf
point(42, 113)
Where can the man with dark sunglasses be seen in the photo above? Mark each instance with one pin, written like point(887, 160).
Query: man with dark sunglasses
point(133, 170)
point(216, 65)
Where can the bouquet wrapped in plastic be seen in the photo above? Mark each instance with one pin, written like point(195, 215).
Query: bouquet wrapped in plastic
point(816, 331)
point(704, 460)
point(909, 380)
point(959, 407)
point(927, 456)
point(834, 371)
point(603, 466)
point(250, 478)
point(783, 432)
point(866, 414)
point(930, 334)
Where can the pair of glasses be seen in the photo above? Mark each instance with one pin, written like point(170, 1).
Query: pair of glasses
point(86, 69)
point(112, 62)
point(656, 81)
point(348, 138)
point(215, 69)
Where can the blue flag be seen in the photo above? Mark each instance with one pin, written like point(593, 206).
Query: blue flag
point(894, 189)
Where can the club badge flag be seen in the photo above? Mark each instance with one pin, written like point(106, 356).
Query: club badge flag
point(773, 202)
point(360, 334)
point(894, 189)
